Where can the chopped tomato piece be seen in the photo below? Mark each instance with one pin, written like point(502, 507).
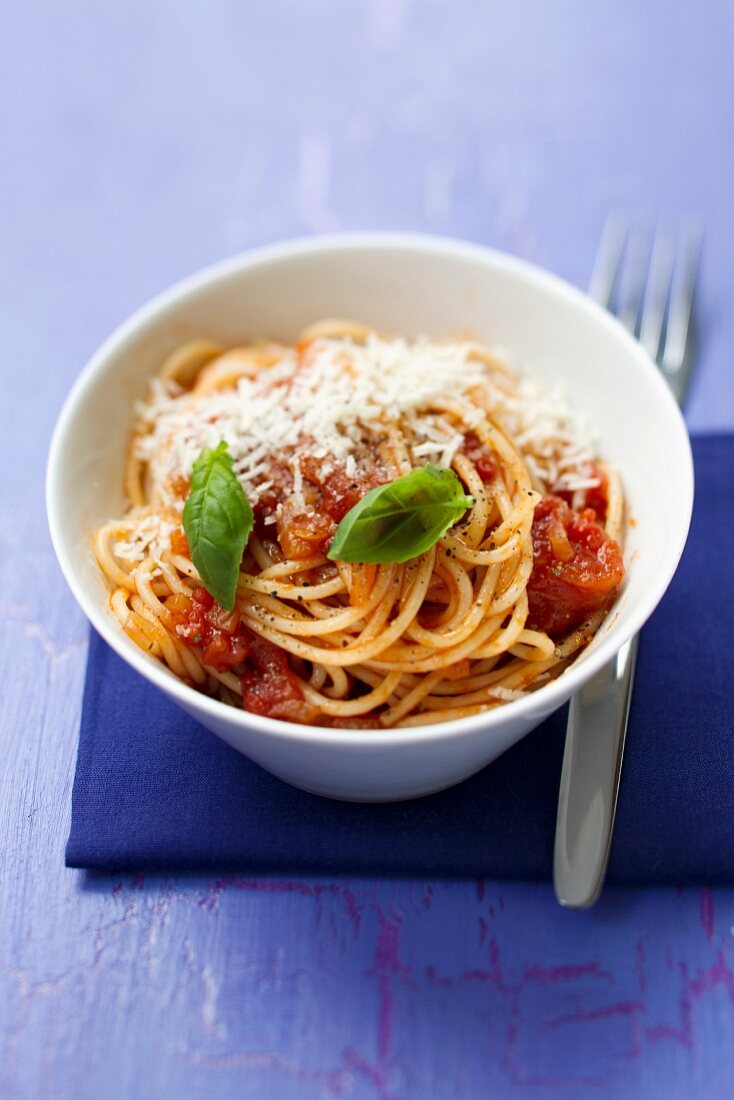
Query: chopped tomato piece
point(305, 535)
point(271, 688)
point(179, 486)
point(577, 567)
point(179, 542)
point(339, 490)
point(203, 624)
point(483, 459)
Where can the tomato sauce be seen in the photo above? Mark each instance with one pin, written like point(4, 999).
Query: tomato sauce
point(179, 542)
point(577, 567)
point(484, 461)
point(179, 486)
point(362, 722)
point(280, 488)
point(337, 491)
point(200, 622)
point(330, 492)
point(431, 614)
point(270, 687)
point(305, 535)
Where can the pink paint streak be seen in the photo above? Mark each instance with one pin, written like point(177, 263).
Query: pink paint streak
point(601, 1012)
point(387, 966)
point(357, 1064)
point(719, 974)
point(387, 951)
point(518, 1074)
point(353, 907)
point(692, 989)
point(389, 972)
point(493, 975)
point(545, 975)
point(337, 1082)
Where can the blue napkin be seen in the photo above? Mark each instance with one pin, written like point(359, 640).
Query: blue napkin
point(153, 790)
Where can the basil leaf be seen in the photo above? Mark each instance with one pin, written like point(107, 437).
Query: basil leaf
point(217, 519)
point(400, 520)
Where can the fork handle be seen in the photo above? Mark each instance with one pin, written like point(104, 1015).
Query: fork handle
point(592, 766)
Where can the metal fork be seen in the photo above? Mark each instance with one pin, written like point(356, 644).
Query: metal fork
point(648, 280)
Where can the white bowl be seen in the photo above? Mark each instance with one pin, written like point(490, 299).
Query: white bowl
point(409, 285)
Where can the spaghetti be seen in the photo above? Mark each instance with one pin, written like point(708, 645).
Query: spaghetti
point(496, 607)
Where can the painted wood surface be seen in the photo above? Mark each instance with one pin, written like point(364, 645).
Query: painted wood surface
point(141, 141)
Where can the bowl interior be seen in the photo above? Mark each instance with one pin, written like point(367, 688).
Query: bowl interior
point(403, 285)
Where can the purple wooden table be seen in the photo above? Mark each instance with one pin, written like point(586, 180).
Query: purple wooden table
point(141, 141)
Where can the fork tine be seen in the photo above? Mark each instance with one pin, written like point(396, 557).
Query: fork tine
point(681, 297)
point(632, 279)
point(659, 279)
point(608, 258)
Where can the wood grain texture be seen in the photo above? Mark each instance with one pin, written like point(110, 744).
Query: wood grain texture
point(142, 142)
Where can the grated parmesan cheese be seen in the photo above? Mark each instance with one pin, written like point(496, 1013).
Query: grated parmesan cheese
point(327, 402)
point(147, 536)
point(505, 694)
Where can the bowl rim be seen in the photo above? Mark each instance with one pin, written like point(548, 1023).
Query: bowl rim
point(553, 694)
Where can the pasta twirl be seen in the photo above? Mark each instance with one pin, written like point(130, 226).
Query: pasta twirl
point(499, 604)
